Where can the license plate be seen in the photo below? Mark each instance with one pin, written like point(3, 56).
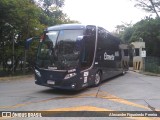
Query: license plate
point(50, 82)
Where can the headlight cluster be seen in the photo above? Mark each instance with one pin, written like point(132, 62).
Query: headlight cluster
point(37, 73)
point(70, 75)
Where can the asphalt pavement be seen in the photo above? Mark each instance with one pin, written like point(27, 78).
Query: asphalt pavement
point(130, 92)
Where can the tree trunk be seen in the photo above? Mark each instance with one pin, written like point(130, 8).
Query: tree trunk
point(154, 9)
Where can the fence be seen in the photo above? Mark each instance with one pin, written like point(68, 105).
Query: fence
point(6, 69)
point(152, 64)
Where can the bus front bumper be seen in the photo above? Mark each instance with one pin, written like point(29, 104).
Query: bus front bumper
point(74, 83)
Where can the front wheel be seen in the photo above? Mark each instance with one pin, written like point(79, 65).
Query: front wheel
point(97, 79)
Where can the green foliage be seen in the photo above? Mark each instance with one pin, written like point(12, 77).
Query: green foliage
point(22, 19)
point(127, 34)
point(147, 30)
point(124, 31)
point(151, 6)
point(152, 64)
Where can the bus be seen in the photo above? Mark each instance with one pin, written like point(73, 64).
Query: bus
point(75, 56)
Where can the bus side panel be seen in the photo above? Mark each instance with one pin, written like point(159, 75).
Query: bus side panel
point(108, 57)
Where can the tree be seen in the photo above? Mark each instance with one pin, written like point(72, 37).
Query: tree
point(148, 30)
point(18, 21)
point(127, 34)
point(124, 31)
point(152, 6)
point(51, 12)
point(22, 19)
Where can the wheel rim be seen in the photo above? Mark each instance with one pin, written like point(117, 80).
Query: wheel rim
point(97, 79)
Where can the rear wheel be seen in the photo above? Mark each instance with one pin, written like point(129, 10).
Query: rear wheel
point(97, 79)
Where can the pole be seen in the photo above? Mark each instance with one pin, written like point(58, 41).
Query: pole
point(144, 64)
point(24, 65)
point(13, 55)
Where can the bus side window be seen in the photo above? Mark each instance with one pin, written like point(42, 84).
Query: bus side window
point(103, 41)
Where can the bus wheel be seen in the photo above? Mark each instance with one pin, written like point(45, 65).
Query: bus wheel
point(97, 79)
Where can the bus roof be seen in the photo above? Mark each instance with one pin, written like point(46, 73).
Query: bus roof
point(74, 27)
point(66, 26)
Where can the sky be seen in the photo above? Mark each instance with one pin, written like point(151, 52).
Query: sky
point(105, 13)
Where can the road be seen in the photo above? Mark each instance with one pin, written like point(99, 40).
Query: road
point(131, 92)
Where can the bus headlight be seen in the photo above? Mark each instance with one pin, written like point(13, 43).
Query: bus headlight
point(70, 75)
point(37, 73)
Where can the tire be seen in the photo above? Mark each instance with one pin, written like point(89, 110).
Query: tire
point(97, 80)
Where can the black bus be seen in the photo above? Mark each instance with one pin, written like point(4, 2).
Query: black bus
point(74, 56)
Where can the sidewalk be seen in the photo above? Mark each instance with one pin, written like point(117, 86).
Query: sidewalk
point(16, 77)
point(145, 73)
point(149, 73)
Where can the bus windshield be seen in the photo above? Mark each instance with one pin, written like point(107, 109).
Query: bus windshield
point(59, 50)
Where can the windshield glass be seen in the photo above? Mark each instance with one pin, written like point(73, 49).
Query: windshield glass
point(59, 50)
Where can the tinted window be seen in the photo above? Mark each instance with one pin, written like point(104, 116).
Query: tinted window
point(58, 49)
point(88, 47)
point(67, 41)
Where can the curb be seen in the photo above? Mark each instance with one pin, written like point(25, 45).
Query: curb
point(15, 77)
point(146, 73)
point(151, 74)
